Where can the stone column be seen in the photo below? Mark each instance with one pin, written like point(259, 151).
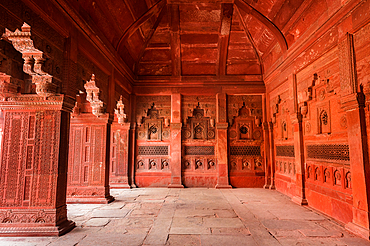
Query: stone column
point(300, 194)
point(266, 141)
point(119, 141)
point(221, 146)
point(175, 148)
point(132, 143)
point(272, 155)
point(268, 163)
point(33, 171)
point(353, 102)
point(88, 167)
point(296, 118)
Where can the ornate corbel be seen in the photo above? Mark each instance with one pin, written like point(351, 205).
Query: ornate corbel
point(120, 113)
point(92, 96)
point(33, 59)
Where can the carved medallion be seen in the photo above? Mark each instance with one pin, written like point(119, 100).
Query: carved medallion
point(233, 134)
point(257, 135)
point(165, 135)
point(343, 122)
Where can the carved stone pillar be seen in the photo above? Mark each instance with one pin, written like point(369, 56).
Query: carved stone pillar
point(272, 155)
point(119, 141)
point(175, 149)
point(296, 119)
point(88, 168)
point(33, 171)
point(132, 143)
point(268, 163)
point(33, 168)
point(354, 102)
point(300, 195)
point(221, 146)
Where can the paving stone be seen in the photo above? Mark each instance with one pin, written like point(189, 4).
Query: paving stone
point(186, 222)
point(234, 240)
point(286, 233)
point(194, 213)
point(321, 233)
point(96, 222)
point(289, 224)
point(110, 213)
point(144, 213)
point(102, 238)
point(222, 222)
point(225, 213)
point(184, 240)
point(190, 230)
point(231, 231)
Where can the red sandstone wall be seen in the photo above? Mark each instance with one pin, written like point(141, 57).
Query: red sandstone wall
point(312, 66)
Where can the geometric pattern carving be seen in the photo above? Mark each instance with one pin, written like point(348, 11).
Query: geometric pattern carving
point(285, 151)
point(153, 150)
point(199, 150)
point(245, 150)
point(337, 152)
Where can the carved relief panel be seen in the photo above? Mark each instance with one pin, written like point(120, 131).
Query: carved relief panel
point(88, 177)
point(246, 165)
point(152, 166)
point(119, 143)
point(199, 164)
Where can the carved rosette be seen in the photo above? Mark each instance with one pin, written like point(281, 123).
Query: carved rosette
point(33, 60)
point(92, 97)
point(120, 113)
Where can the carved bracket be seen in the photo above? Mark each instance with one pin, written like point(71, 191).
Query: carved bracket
point(120, 113)
point(92, 97)
point(33, 59)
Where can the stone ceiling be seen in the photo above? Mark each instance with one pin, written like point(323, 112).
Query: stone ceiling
point(196, 38)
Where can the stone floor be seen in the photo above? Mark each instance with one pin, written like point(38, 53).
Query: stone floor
point(196, 217)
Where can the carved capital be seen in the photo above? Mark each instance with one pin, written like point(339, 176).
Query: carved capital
point(92, 97)
point(33, 58)
point(120, 113)
point(222, 125)
point(176, 126)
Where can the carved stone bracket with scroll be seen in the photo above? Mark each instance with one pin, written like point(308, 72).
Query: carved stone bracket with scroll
point(92, 97)
point(33, 60)
point(119, 112)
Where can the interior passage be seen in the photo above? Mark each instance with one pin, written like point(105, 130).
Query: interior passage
point(197, 216)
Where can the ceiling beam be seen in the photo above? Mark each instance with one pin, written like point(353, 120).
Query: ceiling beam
point(265, 21)
point(134, 26)
point(152, 31)
point(174, 11)
point(224, 35)
point(250, 40)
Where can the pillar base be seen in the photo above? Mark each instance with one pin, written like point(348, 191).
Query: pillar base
point(175, 186)
point(120, 186)
point(35, 229)
point(299, 200)
point(266, 187)
point(272, 187)
point(133, 186)
point(358, 230)
point(218, 186)
point(90, 200)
